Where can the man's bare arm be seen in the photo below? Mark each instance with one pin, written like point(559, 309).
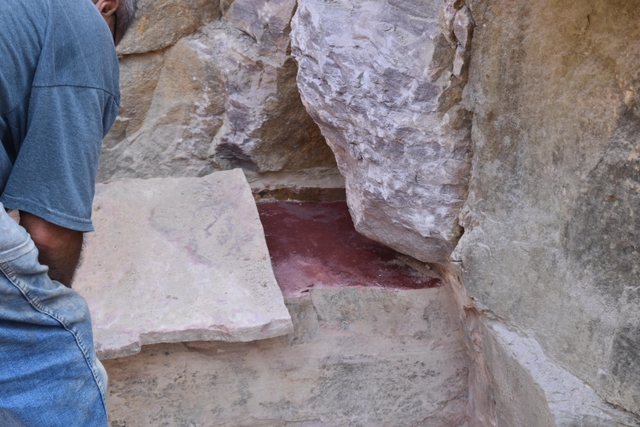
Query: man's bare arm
point(59, 247)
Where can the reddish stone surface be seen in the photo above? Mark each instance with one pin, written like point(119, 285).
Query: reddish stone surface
point(316, 245)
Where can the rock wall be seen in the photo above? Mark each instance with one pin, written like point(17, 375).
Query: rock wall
point(210, 85)
point(507, 132)
point(551, 223)
point(383, 79)
point(550, 243)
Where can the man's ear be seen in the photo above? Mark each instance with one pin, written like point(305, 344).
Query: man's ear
point(107, 7)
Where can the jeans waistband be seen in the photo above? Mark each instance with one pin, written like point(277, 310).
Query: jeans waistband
point(14, 240)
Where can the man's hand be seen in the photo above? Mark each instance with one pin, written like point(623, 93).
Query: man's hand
point(59, 247)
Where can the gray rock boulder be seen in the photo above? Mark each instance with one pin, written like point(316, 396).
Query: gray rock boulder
point(377, 78)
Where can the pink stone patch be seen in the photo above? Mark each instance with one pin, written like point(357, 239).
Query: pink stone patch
point(316, 245)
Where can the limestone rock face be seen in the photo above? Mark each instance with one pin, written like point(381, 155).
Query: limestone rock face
point(380, 80)
point(551, 225)
point(207, 87)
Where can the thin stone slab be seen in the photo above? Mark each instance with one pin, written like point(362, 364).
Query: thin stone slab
point(178, 259)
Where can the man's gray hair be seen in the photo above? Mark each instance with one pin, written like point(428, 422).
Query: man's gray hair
point(126, 14)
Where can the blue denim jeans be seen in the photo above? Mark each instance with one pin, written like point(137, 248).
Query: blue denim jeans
point(49, 374)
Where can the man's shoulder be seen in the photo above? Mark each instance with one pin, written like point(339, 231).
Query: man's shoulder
point(34, 12)
point(24, 25)
point(79, 51)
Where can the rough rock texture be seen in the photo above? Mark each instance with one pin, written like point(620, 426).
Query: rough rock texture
point(161, 23)
point(178, 259)
point(383, 81)
point(531, 390)
point(551, 204)
point(168, 117)
point(551, 242)
point(207, 87)
point(357, 357)
point(482, 402)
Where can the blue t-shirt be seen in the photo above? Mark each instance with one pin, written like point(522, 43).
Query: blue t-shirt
point(59, 96)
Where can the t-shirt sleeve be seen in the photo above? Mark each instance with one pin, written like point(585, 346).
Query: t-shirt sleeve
point(54, 174)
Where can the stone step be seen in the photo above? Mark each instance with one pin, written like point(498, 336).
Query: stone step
point(368, 357)
point(175, 260)
point(375, 344)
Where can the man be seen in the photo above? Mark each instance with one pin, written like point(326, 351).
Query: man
point(59, 96)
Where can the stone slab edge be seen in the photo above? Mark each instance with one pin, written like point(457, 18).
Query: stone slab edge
point(570, 402)
point(275, 321)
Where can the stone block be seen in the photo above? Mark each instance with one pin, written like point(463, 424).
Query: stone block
point(357, 357)
point(532, 390)
point(139, 76)
point(308, 185)
point(266, 127)
point(178, 259)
